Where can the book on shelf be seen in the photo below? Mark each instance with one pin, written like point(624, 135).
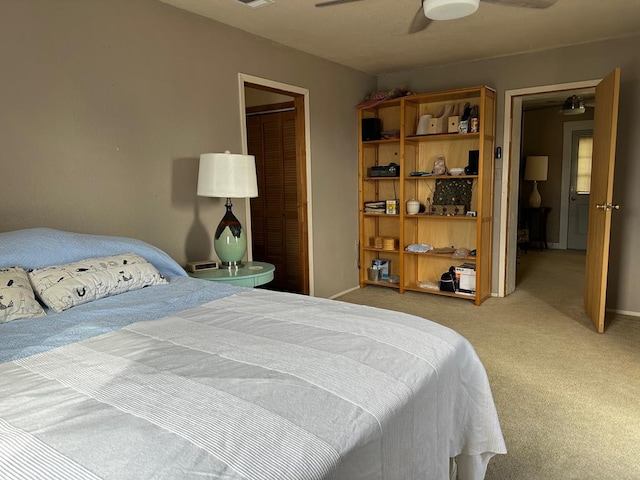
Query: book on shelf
point(375, 207)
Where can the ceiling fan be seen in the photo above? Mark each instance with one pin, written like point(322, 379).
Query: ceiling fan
point(431, 10)
point(577, 105)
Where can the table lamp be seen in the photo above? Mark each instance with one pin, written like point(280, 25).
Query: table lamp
point(228, 175)
point(536, 171)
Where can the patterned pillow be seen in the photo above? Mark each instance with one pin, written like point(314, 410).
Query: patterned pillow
point(16, 297)
point(62, 286)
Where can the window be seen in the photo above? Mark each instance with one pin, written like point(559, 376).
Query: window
point(583, 181)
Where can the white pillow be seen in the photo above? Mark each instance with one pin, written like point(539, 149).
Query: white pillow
point(62, 286)
point(16, 297)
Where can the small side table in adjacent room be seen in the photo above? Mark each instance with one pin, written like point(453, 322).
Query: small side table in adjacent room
point(252, 274)
point(536, 222)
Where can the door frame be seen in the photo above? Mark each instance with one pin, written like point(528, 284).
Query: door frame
point(305, 150)
point(510, 190)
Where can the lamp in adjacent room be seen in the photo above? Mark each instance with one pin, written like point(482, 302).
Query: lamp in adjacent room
point(228, 175)
point(536, 171)
point(449, 9)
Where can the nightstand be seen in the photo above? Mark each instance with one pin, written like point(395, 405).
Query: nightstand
point(251, 274)
point(536, 222)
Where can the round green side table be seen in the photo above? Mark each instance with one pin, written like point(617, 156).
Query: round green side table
point(251, 274)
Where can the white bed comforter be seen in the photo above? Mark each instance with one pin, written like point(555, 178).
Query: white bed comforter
point(256, 385)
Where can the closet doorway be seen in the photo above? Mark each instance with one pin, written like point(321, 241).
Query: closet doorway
point(275, 132)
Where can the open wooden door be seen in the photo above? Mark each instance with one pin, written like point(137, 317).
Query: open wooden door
point(605, 126)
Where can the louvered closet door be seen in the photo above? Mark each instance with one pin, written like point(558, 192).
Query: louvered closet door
point(274, 213)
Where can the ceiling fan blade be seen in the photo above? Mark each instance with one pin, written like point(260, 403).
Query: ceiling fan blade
point(419, 22)
point(524, 3)
point(331, 3)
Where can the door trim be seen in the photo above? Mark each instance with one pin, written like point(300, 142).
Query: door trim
point(243, 79)
point(512, 132)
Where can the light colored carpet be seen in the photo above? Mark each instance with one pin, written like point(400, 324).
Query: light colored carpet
point(568, 398)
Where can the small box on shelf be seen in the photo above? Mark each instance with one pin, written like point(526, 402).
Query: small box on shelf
point(389, 243)
point(453, 124)
point(466, 278)
point(437, 125)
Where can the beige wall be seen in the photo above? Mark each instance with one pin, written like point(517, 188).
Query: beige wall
point(569, 64)
point(107, 104)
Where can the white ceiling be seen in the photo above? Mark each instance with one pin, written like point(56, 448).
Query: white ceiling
point(371, 35)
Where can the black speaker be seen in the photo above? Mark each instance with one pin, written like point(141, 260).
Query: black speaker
point(472, 168)
point(371, 128)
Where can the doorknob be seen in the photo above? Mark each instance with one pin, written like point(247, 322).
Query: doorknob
point(607, 207)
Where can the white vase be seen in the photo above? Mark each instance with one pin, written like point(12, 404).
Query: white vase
point(413, 207)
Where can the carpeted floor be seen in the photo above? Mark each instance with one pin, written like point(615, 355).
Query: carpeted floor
point(568, 398)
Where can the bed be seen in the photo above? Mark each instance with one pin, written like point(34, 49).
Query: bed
point(180, 378)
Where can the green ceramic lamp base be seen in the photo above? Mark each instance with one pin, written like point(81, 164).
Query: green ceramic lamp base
point(230, 241)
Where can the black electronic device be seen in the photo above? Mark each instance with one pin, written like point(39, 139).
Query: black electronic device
point(391, 170)
point(448, 281)
point(371, 129)
point(472, 168)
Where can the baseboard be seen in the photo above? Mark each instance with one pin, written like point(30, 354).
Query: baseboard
point(550, 246)
point(624, 312)
point(333, 297)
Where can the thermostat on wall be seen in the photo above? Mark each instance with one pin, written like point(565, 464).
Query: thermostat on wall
point(202, 265)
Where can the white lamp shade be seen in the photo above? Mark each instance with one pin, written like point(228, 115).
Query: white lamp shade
point(536, 168)
point(227, 175)
point(449, 9)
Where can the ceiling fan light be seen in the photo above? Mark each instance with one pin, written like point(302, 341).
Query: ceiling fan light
point(573, 106)
point(449, 9)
